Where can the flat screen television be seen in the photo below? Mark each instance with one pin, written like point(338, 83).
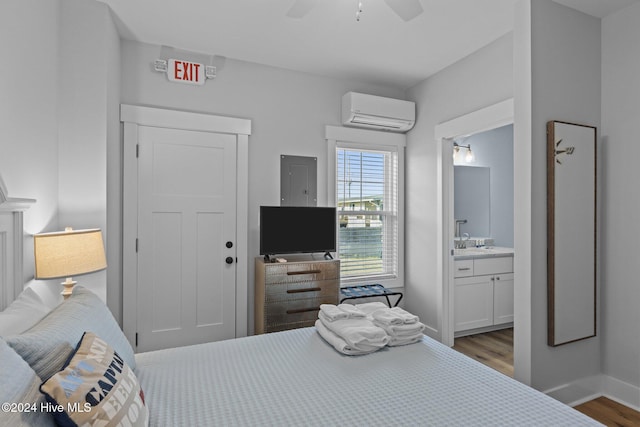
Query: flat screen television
point(293, 229)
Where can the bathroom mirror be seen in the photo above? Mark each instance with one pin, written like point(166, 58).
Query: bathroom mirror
point(472, 199)
point(571, 232)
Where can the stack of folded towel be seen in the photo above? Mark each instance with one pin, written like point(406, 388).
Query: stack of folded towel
point(365, 328)
point(349, 331)
point(402, 327)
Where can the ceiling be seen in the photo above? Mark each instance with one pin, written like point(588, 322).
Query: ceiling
point(597, 8)
point(381, 48)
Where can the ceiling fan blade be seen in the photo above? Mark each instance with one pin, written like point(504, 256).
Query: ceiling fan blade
point(300, 8)
point(405, 9)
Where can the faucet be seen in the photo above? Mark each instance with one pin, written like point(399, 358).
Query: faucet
point(459, 243)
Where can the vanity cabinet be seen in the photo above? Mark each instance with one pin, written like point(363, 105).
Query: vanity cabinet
point(483, 294)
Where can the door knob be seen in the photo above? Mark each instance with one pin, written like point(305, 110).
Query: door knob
point(229, 245)
point(229, 260)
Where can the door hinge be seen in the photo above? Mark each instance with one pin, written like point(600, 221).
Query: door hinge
point(136, 339)
point(136, 245)
point(137, 150)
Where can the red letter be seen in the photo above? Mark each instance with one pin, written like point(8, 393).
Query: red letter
point(196, 66)
point(187, 68)
point(176, 70)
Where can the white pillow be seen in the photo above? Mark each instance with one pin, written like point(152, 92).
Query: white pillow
point(20, 386)
point(23, 313)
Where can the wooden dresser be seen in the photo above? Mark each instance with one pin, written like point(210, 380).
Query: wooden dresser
point(288, 295)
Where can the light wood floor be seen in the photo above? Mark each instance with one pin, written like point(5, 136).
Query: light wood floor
point(495, 349)
point(610, 413)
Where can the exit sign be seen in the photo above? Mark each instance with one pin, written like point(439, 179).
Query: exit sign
point(186, 72)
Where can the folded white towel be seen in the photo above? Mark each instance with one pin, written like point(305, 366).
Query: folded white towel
point(396, 341)
point(406, 316)
point(359, 334)
point(338, 343)
point(385, 316)
point(401, 331)
point(352, 311)
point(332, 312)
point(370, 307)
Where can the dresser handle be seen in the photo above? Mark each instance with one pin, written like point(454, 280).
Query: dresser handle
point(295, 291)
point(293, 273)
point(464, 268)
point(302, 310)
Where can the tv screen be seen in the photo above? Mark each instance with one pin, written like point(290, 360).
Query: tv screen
point(289, 229)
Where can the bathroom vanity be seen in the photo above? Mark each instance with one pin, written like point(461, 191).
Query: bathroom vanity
point(483, 290)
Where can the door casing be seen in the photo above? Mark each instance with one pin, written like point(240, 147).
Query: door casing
point(491, 117)
point(133, 116)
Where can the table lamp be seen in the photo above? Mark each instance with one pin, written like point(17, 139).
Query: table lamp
point(68, 253)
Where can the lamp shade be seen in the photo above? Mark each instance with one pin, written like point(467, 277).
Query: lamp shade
point(68, 253)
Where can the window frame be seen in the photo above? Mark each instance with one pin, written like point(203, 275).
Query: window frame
point(359, 139)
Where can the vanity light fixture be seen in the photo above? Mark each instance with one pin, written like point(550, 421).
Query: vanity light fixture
point(469, 157)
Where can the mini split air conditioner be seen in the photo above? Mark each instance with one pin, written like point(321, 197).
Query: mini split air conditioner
point(377, 112)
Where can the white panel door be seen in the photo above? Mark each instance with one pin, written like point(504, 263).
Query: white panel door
point(186, 237)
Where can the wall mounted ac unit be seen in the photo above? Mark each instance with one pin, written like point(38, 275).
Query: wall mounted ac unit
point(377, 112)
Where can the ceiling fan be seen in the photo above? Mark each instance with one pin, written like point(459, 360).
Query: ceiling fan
point(405, 9)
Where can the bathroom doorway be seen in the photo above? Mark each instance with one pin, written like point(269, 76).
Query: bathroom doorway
point(448, 133)
point(483, 215)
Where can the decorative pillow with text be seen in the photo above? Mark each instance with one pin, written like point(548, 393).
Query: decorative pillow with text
point(96, 386)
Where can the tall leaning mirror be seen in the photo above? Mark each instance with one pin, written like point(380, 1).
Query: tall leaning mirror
point(571, 228)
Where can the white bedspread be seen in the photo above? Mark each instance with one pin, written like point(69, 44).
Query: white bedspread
point(294, 378)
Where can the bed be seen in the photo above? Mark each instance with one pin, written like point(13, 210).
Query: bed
point(284, 378)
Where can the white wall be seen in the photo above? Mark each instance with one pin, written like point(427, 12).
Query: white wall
point(477, 81)
point(565, 85)
point(620, 198)
point(113, 236)
point(54, 117)
point(288, 111)
point(86, 55)
point(29, 107)
point(29, 112)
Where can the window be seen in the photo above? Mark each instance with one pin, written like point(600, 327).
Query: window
point(368, 192)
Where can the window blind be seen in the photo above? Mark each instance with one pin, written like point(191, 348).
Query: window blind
point(367, 205)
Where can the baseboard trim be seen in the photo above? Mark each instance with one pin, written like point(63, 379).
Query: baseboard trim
point(483, 330)
point(431, 332)
point(577, 392)
point(586, 389)
point(622, 392)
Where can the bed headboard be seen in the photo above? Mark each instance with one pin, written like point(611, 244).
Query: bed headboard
point(11, 252)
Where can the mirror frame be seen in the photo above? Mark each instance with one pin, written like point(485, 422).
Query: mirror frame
point(554, 149)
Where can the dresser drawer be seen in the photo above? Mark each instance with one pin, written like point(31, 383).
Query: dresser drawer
point(286, 312)
point(296, 272)
point(288, 295)
point(463, 268)
point(277, 327)
point(493, 265)
point(301, 290)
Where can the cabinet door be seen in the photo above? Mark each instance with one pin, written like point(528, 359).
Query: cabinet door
point(503, 299)
point(473, 306)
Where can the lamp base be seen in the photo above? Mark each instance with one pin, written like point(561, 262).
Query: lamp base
point(68, 287)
